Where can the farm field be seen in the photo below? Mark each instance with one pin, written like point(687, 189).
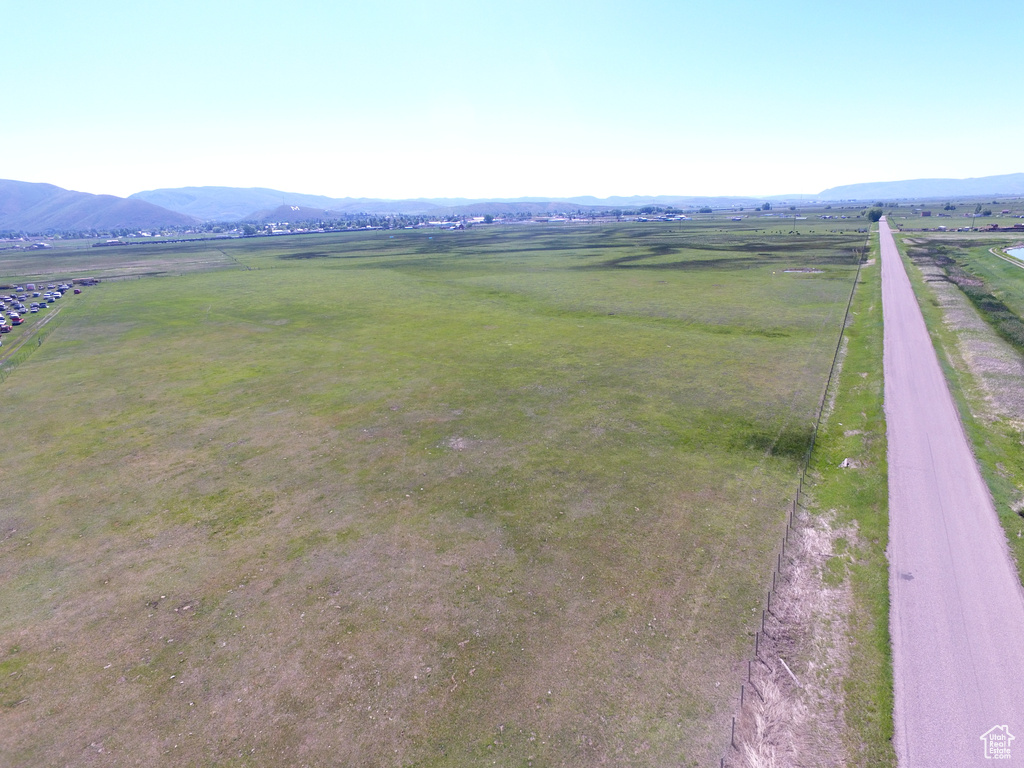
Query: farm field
point(78, 258)
point(505, 496)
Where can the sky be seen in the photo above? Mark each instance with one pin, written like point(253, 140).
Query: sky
point(404, 99)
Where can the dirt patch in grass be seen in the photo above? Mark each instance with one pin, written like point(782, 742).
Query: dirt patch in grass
point(793, 707)
point(996, 365)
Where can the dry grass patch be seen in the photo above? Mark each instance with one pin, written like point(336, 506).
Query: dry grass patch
point(995, 365)
point(793, 707)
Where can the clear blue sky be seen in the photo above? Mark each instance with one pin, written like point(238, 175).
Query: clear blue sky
point(396, 98)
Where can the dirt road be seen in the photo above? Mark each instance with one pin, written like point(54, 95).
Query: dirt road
point(957, 611)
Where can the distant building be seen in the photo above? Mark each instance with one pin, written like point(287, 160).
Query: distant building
point(926, 213)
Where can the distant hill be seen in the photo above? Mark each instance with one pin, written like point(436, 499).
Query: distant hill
point(353, 205)
point(504, 208)
point(261, 204)
point(1008, 184)
point(37, 208)
point(238, 204)
point(299, 213)
point(676, 201)
point(290, 214)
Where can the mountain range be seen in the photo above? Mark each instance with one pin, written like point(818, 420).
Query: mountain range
point(260, 204)
point(913, 189)
point(238, 204)
point(41, 208)
point(28, 207)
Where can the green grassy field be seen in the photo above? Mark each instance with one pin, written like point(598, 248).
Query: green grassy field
point(907, 216)
point(77, 258)
point(501, 496)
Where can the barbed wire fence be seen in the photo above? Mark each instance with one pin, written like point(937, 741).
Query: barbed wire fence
point(27, 346)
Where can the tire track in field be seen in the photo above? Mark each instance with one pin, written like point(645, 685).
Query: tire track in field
point(31, 333)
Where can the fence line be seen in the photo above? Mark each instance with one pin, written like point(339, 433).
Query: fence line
point(26, 348)
point(791, 523)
